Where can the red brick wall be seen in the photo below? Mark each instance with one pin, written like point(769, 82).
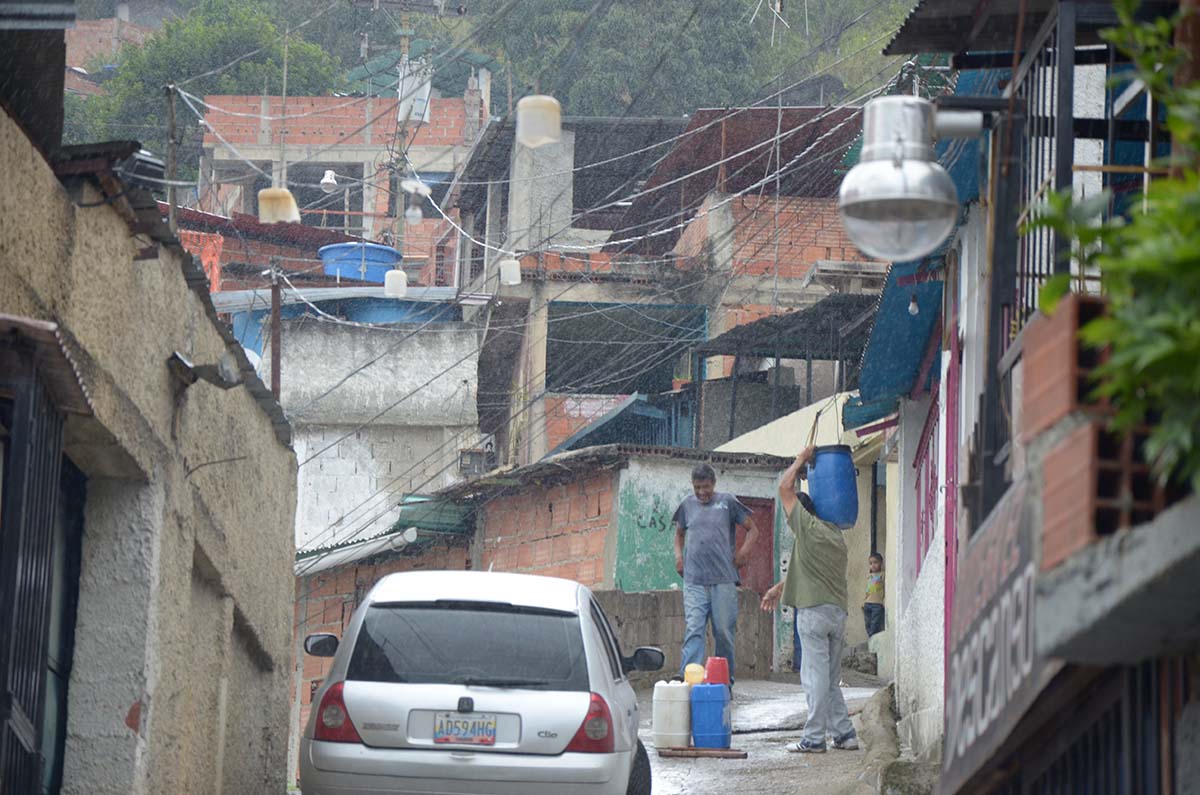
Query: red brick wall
point(206, 247)
point(329, 120)
point(568, 414)
point(809, 230)
point(556, 531)
point(99, 40)
point(326, 601)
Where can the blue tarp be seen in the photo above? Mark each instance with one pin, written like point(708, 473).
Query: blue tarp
point(899, 340)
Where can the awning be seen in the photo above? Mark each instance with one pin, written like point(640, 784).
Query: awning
point(834, 328)
point(438, 516)
point(54, 364)
point(787, 436)
point(900, 340)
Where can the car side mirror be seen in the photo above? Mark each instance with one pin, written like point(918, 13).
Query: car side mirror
point(645, 658)
point(321, 644)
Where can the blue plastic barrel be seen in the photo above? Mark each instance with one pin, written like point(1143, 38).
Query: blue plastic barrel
point(711, 726)
point(368, 262)
point(833, 485)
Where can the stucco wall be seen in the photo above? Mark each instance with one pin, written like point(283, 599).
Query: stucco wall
point(884, 644)
point(920, 625)
point(650, 490)
point(420, 378)
point(173, 540)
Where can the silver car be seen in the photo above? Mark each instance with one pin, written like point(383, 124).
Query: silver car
point(476, 682)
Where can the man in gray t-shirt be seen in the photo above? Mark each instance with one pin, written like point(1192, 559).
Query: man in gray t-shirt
point(706, 525)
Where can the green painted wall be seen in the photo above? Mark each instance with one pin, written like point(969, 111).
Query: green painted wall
point(649, 492)
point(646, 536)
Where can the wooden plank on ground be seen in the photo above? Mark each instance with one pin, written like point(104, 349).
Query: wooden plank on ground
point(693, 753)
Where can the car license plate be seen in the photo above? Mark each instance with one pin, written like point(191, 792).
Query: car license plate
point(464, 729)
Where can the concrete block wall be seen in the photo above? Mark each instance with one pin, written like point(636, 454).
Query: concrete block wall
point(354, 489)
point(556, 531)
point(655, 618)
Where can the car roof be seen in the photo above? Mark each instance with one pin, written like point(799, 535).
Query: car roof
point(524, 590)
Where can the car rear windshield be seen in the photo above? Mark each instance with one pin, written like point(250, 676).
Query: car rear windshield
point(470, 643)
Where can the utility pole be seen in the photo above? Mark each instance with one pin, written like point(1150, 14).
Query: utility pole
point(275, 322)
point(171, 156)
point(287, 34)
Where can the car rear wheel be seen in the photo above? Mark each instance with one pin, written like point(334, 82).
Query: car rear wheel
point(639, 777)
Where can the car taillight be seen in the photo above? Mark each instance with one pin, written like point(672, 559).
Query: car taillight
point(333, 720)
point(595, 735)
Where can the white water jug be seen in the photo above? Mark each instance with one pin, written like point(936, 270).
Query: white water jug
point(672, 715)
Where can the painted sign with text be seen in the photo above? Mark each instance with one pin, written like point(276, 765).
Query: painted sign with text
point(995, 673)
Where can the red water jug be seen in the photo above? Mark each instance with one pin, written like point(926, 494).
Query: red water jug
point(716, 671)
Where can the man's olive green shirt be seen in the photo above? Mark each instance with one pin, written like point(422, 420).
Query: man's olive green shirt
point(816, 573)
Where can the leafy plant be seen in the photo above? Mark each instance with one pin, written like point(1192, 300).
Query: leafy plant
point(1150, 270)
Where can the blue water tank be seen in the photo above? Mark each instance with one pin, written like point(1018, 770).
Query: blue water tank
point(833, 485)
point(368, 262)
point(711, 724)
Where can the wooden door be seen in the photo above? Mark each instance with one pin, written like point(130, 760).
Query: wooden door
point(759, 574)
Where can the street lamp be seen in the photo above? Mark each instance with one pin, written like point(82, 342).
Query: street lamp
point(898, 203)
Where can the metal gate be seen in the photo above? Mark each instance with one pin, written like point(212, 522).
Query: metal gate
point(32, 453)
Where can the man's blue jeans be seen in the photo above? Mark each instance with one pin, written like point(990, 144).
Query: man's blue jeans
point(702, 603)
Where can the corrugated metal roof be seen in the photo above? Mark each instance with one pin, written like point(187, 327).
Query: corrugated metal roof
point(37, 15)
point(250, 300)
point(819, 331)
point(597, 139)
point(820, 134)
point(569, 466)
point(55, 364)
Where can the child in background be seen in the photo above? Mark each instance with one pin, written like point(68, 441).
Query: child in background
point(873, 603)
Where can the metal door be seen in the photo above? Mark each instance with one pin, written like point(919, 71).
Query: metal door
point(759, 574)
point(32, 459)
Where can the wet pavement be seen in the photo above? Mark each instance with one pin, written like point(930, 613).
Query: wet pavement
point(766, 717)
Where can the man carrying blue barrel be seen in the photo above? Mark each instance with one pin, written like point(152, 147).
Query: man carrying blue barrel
point(816, 586)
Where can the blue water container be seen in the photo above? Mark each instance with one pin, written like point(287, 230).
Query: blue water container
point(367, 262)
point(833, 485)
point(711, 725)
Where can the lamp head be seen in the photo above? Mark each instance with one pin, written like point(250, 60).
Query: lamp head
point(329, 182)
point(898, 203)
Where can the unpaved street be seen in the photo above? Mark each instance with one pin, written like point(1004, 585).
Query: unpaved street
point(766, 716)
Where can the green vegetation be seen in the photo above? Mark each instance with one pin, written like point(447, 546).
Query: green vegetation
point(213, 34)
point(1150, 267)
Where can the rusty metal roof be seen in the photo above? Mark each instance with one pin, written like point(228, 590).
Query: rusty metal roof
point(836, 327)
point(60, 375)
point(566, 467)
point(958, 26)
point(812, 142)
